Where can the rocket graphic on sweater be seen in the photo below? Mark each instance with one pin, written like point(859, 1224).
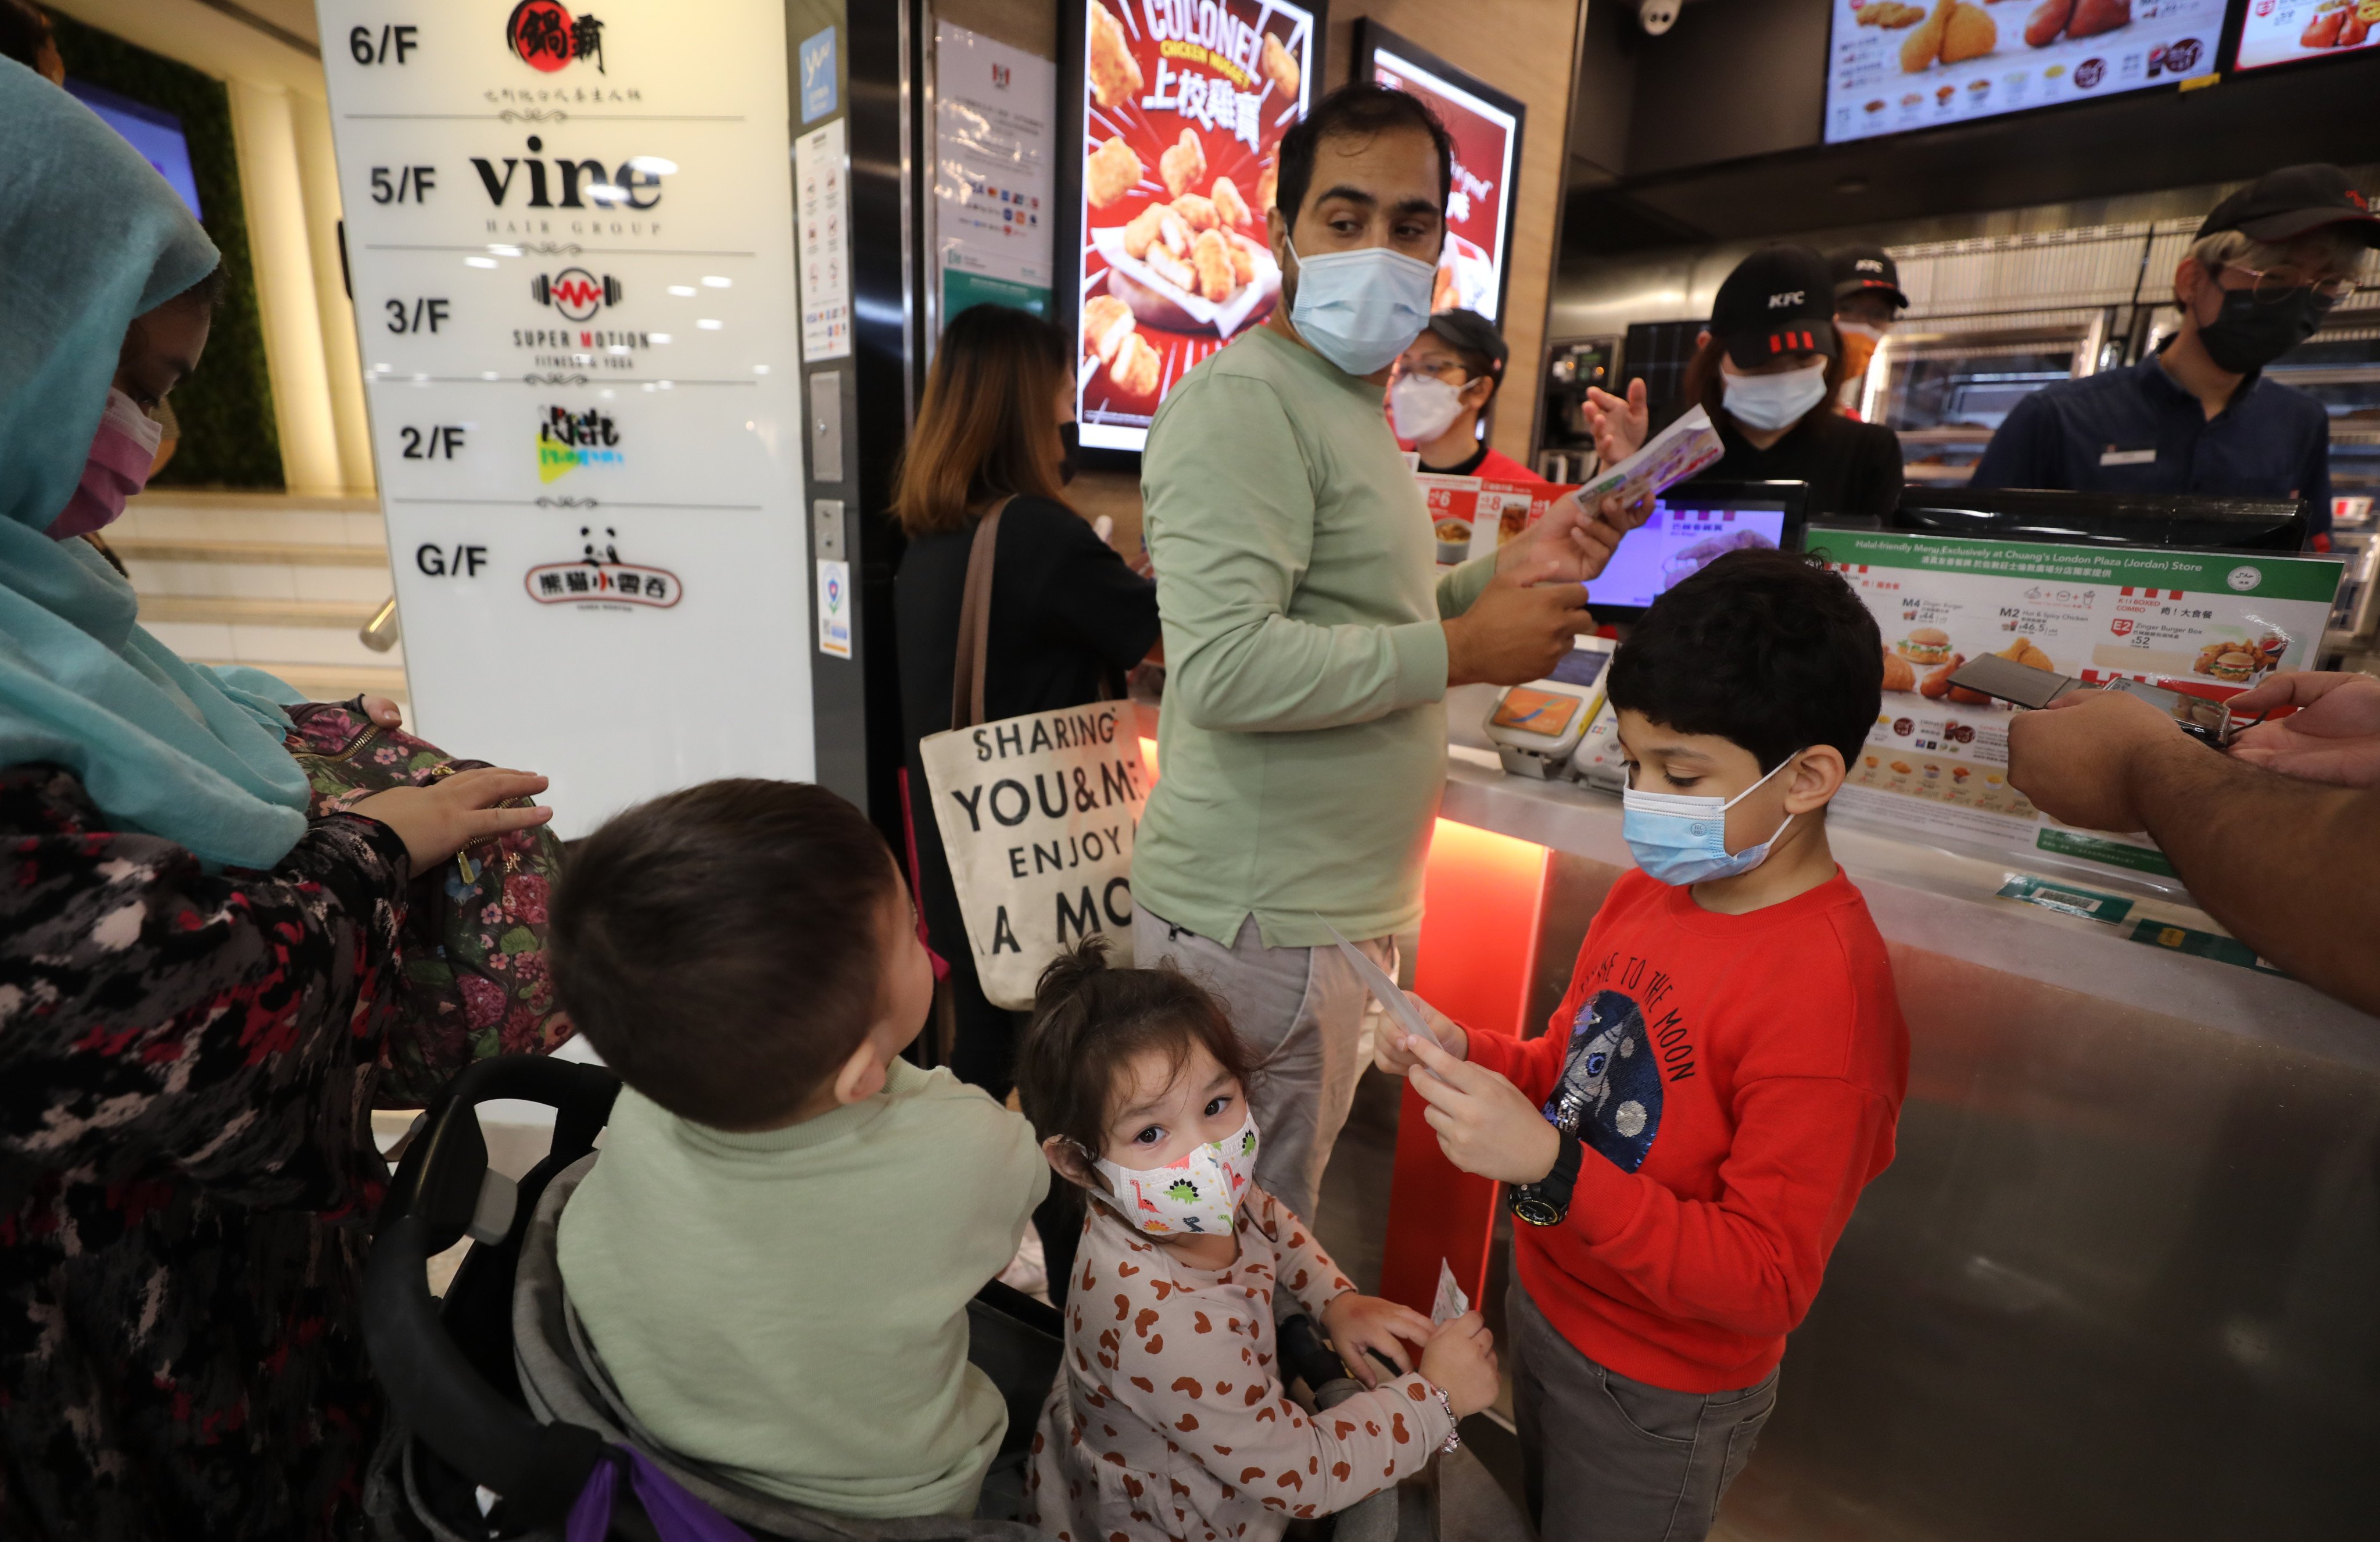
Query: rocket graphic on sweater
point(1610, 1094)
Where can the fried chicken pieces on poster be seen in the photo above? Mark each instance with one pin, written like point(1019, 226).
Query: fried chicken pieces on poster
point(1115, 74)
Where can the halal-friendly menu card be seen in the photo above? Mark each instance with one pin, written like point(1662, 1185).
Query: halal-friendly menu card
point(1898, 65)
point(1935, 763)
point(1183, 107)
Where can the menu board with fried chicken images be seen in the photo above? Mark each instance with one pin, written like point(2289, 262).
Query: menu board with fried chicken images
point(1894, 66)
point(1183, 108)
point(1935, 766)
point(2282, 31)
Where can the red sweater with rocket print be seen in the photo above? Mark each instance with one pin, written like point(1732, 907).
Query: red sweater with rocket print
point(1735, 1081)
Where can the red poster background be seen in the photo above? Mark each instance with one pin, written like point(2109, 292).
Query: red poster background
point(1470, 272)
point(1150, 131)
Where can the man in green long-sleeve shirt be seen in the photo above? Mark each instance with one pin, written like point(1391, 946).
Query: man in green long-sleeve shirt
point(1302, 743)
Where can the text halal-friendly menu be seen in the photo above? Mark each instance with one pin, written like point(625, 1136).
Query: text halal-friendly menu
point(1896, 65)
point(1935, 763)
point(1183, 108)
point(1478, 205)
point(2278, 32)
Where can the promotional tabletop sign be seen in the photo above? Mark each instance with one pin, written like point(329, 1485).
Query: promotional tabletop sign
point(570, 235)
point(1935, 766)
point(1472, 516)
point(1184, 106)
point(1899, 65)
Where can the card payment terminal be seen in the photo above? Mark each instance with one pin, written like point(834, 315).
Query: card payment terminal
point(1535, 727)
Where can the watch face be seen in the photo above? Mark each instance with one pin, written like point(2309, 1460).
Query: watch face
point(1533, 1210)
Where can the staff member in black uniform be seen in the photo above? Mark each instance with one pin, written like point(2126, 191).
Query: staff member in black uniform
point(1066, 611)
point(2198, 416)
point(1869, 303)
point(1767, 371)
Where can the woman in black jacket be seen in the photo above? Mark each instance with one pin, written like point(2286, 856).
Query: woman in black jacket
point(1068, 616)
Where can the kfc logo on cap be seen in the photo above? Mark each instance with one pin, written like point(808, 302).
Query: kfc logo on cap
point(1869, 264)
point(1790, 297)
point(2357, 198)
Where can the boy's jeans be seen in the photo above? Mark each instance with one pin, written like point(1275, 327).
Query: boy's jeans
point(1605, 1459)
point(1299, 1011)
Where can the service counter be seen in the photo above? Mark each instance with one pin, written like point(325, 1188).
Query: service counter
point(2123, 1277)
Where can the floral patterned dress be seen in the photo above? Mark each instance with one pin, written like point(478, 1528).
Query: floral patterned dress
point(1170, 1423)
point(188, 1063)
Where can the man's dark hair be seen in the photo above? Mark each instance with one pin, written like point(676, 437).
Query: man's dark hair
point(24, 30)
point(722, 947)
point(1766, 649)
point(1355, 110)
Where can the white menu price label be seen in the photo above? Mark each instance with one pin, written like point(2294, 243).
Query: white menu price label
point(826, 278)
point(571, 242)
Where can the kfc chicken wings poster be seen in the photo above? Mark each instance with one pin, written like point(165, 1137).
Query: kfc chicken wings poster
point(1185, 103)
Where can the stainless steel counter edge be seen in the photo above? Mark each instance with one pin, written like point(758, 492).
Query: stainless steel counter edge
point(1947, 903)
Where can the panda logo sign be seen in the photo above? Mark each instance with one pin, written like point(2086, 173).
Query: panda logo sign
point(1610, 1094)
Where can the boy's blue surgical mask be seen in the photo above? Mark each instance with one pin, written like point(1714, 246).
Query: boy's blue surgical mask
point(1361, 308)
point(1682, 839)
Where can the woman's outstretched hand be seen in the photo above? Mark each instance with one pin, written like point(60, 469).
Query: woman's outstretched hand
point(439, 820)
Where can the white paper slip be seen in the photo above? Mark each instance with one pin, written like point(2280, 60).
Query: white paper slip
point(1688, 445)
point(1451, 1302)
point(1384, 990)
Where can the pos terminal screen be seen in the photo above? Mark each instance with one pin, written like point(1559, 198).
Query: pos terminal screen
point(1682, 536)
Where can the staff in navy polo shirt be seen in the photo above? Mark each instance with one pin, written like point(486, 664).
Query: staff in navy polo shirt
point(2198, 416)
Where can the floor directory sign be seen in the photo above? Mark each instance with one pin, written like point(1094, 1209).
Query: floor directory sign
point(1182, 111)
point(1935, 766)
point(571, 242)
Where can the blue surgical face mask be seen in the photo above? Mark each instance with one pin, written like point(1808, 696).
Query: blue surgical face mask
point(1361, 308)
point(1682, 839)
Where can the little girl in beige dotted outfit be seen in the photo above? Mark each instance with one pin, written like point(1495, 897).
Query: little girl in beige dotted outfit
point(1170, 1423)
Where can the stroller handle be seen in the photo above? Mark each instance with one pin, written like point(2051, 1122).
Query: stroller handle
point(539, 1468)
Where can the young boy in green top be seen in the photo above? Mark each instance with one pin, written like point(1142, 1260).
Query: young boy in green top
point(774, 1255)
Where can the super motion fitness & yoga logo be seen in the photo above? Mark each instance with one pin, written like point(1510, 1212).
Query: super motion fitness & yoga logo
point(600, 579)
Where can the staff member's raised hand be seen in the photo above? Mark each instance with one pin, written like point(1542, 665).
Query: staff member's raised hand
point(1620, 427)
point(439, 820)
point(2332, 737)
point(1523, 624)
point(2078, 757)
point(1485, 1124)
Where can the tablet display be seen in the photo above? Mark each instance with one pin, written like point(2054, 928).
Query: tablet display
point(1685, 535)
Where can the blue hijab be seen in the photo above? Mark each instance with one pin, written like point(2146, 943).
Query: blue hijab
point(90, 237)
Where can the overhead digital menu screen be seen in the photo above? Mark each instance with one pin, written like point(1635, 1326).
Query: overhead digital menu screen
point(2281, 32)
point(1183, 107)
point(1896, 67)
point(1485, 125)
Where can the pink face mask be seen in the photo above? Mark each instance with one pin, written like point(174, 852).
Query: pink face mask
point(121, 453)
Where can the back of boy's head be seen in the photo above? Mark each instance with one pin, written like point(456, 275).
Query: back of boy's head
point(1766, 649)
point(722, 947)
point(1090, 1021)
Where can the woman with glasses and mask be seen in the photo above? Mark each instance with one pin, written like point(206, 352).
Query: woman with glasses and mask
point(1441, 389)
point(1767, 372)
point(995, 432)
point(2197, 416)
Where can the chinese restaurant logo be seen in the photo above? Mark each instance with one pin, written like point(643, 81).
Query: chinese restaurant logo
point(545, 36)
point(567, 440)
point(599, 577)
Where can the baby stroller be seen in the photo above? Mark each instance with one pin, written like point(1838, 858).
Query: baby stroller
point(498, 1421)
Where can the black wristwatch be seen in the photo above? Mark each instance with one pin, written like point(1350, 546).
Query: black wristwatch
point(1547, 1201)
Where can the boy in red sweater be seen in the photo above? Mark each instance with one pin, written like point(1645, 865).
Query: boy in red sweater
point(1686, 1142)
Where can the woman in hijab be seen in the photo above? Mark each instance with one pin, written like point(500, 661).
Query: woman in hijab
point(195, 978)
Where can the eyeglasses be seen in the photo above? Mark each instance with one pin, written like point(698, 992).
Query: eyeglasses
point(2275, 285)
point(1438, 370)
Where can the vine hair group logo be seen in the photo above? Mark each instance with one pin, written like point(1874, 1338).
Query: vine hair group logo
point(567, 440)
point(599, 578)
point(545, 36)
